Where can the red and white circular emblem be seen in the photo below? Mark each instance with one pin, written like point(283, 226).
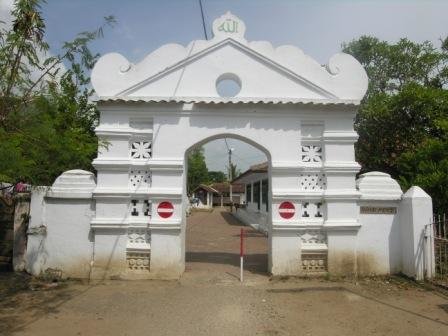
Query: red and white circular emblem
point(286, 210)
point(165, 209)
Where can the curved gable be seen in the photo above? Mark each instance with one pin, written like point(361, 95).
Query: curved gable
point(264, 72)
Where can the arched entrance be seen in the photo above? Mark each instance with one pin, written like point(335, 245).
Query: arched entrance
point(213, 230)
point(281, 101)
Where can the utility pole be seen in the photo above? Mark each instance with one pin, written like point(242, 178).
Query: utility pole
point(230, 175)
point(229, 151)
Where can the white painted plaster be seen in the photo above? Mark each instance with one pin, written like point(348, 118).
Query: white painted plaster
point(59, 236)
point(298, 113)
point(415, 213)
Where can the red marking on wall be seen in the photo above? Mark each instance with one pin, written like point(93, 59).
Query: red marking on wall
point(287, 210)
point(165, 209)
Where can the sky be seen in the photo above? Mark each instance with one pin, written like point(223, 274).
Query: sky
point(318, 27)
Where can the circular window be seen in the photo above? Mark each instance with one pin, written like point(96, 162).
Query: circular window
point(228, 85)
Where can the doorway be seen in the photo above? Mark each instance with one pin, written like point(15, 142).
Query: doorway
point(213, 235)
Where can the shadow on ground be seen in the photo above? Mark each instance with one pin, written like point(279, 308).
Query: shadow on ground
point(19, 293)
point(254, 263)
point(231, 220)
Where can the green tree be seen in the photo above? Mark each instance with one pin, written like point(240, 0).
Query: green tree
point(197, 169)
point(216, 177)
point(402, 120)
point(427, 167)
point(234, 171)
point(46, 117)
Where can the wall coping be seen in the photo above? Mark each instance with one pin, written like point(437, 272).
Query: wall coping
point(378, 186)
point(73, 184)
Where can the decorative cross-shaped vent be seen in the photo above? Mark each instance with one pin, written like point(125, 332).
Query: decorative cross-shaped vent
point(141, 150)
point(311, 153)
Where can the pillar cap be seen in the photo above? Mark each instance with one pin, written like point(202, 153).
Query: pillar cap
point(378, 186)
point(75, 183)
point(416, 192)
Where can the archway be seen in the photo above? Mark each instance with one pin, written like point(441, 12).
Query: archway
point(242, 201)
point(286, 104)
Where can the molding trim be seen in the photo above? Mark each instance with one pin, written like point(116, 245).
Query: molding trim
point(281, 225)
point(124, 224)
point(342, 194)
point(297, 195)
point(152, 193)
point(348, 224)
point(126, 131)
point(338, 137)
point(72, 194)
point(379, 198)
point(343, 167)
point(125, 163)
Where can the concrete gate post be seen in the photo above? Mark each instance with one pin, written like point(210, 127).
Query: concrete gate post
point(415, 214)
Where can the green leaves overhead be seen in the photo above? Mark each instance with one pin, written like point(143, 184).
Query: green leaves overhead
point(402, 122)
point(197, 169)
point(46, 116)
point(391, 66)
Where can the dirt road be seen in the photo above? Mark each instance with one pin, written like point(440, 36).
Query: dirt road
point(213, 247)
point(209, 300)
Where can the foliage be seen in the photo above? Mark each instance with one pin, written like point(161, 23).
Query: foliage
point(392, 66)
point(216, 177)
point(197, 169)
point(46, 118)
point(402, 121)
point(427, 167)
point(234, 171)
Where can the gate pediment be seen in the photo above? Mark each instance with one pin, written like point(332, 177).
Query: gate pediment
point(265, 73)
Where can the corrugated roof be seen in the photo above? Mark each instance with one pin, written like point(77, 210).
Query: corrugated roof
point(225, 187)
point(233, 100)
point(257, 168)
point(207, 188)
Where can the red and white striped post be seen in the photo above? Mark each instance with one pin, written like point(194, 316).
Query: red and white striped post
point(241, 254)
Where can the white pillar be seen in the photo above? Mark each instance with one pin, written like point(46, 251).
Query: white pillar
point(59, 234)
point(415, 213)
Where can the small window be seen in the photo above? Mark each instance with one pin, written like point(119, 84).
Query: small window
point(257, 195)
point(248, 193)
point(228, 85)
point(265, 193)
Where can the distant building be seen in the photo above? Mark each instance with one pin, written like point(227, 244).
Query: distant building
point(255, 182)
point(203, 196)
point(223, 198)
point(218, 194)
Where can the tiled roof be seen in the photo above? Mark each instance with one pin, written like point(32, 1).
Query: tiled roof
point(207, 188)
point(234, 100)
point(224, 187)
point(257, 168)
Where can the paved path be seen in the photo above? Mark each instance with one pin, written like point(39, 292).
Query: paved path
point(213, 243)
point(209, 299)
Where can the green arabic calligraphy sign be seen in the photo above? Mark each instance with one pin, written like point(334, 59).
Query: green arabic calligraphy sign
point(228, 26)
